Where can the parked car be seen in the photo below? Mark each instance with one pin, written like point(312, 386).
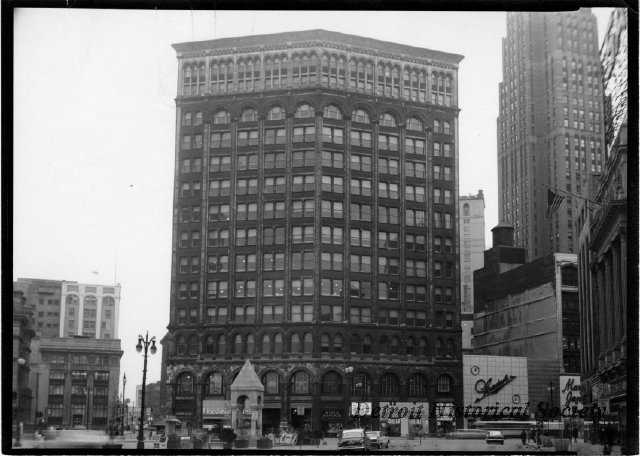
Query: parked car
point(354, 439)
point(378, 440)
point(495, 437)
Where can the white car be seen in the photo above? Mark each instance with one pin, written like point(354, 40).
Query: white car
point(378, 440)
point(495, 437)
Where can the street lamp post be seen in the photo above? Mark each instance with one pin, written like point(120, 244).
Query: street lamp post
point(144, 342)
point(550, 388)
point(124, 385)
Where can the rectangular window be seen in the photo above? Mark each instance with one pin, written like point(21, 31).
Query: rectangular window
point(217, 289)
point(331, 287)
point(416, 242)
point(247, 162)
point(220, 140)
point(275, 160)
point(220, 163)
point(415, 218)
point(332, 235)
point(247, 186)
point(388, 266)
point(218, 238)
point(272, 287)
point(245, 262)
point(218, 263)
point(360, 289)
point(246, 211)
point(387, 291)
point(361, 238)
point(248, 138)
point(273, 262)
point(415, 169)
point(274, 184)
point(388, 215)
point(388, 166)
point(304, 134)
point(388, 240)
point(332, 159)
point(274, 209)
point(361, 163)
point(333, 135)
point(273, 236)
point(303, 208)
point(415, 146)
point(302, 260)
point(361, 187)
point(302, 287)
point(302, 234)
point(303, 158)
point(332, 209)
point(360, 138)
point(245, 288)
point(219, 188)
point(360, 263)
point(274, 136)
point(387, 190)
point(361, 212)
point(388, 142)
point(415, 193)
point(304, 183)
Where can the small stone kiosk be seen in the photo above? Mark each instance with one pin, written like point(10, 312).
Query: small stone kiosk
point(246, 404)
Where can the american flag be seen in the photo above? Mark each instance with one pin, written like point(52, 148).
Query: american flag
point(553, 202)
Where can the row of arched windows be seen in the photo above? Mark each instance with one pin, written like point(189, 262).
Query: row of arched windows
point(332, 382)
point(90, 300)
point(303, 343)
point(306, 111)
point(247, 74)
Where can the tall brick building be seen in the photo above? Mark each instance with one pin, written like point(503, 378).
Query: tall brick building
point(315, 229)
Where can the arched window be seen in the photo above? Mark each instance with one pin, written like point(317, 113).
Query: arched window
point(276, 113)
point(465, 209)
point(186, 384)
point(108, 301)
point(331, 383)
point(251, 342)
point(411, 346)
point(278, 343)
point(389, 385)
point(71, 300)
point(395, 345)
point(337, 344)
point(193, 344)
point(266, 343)
point(361, 116)
point(354, 344)
point(418, 385)
point(214, 384)
point(439, 348)
point(414, 124)
point(436, 126)
point(324, 343)
point(90, 301)
point(209, 345)
point(366, 345)
point(361, 385)
point(249, 115)
point(331, 112)
point(308, 343)
point(300, 383)
point(387, 120)
point(295, 343)
point(304, 111)
point(383, 345)
point(221, 117)
point(181, 345)
point(271, 383)
point(222, 344)
point(446, 127)
point(422, 347)
point(444, 384)
point(237, 344)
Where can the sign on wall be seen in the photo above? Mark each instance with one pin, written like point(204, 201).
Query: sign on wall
point(570, 392)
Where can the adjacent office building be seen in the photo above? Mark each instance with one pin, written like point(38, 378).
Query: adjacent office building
point(315, 230)
point(471, 257)
point(528, 309)
point(603, 253)
point(74, 355)
point(550, 126)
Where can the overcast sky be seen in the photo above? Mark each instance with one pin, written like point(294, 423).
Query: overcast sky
point(94, 126)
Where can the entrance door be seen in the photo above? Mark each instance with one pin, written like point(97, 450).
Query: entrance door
point(78, 419)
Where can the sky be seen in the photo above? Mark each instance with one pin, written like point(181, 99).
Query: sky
point(94, 135)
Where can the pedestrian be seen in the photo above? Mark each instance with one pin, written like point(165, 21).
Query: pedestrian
point(523, 436)
point(574, 433)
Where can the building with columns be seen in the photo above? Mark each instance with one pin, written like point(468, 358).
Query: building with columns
point(315, 229)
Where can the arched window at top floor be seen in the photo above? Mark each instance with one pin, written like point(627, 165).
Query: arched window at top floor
point(276, 113)
point(304, 111)
point(414, 124)
point(249, 115)
point(222, 117)
point(361, 116)
point(108, 301)
point(332, 112)
point(71, 299)
point(436, 126)
point(388, 120)
point(90, 301)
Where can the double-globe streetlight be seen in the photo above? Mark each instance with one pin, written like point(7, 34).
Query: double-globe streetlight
point(144, 342)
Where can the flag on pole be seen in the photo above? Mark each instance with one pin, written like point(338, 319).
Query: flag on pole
point(553, 202)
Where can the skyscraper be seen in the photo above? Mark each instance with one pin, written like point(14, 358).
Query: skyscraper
point(315, 224)
point(472, 248)
point(550, 126)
